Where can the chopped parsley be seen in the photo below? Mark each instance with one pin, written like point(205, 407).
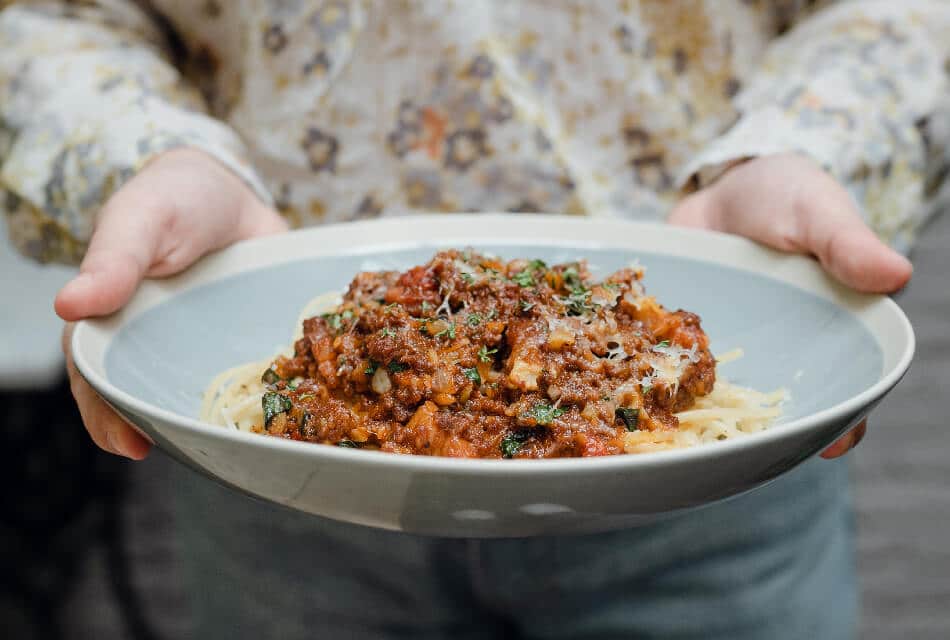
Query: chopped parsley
point(448, 331)
point(512, 443)
point(270, 377)
point(537, 265)
point(571, 278)
point(472, 374)
point(335, 320)
point(525, 305)
point(663, 343)
point(371, 367)
point(348, 444)
point(485, 354)
point(578, 303)
point(473, 319)
point(629, 417)
point(425, 305)
point(274, 404)
point(387, 332)
point(492, 314)
point(523, 279)
point(396, 367)
point(467, 278)
point(544, 413)
point(389, 307)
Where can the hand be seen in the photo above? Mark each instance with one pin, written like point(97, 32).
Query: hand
point(787, 202)
point(181, 206)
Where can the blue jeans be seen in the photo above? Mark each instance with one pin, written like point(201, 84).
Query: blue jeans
point(777, 564)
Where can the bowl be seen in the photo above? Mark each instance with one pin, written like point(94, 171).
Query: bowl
point(837, 353)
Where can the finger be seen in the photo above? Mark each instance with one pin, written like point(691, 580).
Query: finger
point(789, 203)
point(105, 427)
point(196, 237)
point(846, 442)
point(118, 257)
point(853, 254)
point(697, 210)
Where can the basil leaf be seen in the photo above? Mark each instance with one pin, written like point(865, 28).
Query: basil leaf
point(273, 404)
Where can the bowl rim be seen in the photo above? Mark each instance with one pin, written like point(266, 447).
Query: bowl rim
point(210, 270)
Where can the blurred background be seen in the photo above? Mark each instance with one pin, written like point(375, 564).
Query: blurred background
point(88, 540)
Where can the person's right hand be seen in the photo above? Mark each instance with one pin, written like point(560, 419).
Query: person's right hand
point(179, 207)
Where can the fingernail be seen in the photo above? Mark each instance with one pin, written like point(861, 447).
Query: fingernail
point(113, 441)
point(859, 436)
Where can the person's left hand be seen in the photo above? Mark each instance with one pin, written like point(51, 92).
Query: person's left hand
point(789, 203)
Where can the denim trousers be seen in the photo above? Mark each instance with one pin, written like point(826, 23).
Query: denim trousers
point(776, 563)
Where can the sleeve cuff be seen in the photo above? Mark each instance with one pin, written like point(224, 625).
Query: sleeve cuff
point(66, 167)
point(764, 132)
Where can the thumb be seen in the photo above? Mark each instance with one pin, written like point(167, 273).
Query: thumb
point(832, 229)
point(118, 257)
point(697, 210)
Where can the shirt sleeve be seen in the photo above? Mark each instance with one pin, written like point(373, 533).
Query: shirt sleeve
point(88, 95)
point(862, 88)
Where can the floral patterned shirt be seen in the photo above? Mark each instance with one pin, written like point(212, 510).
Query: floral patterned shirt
point(340, 109)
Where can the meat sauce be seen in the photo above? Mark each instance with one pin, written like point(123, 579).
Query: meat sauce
point(472, 356)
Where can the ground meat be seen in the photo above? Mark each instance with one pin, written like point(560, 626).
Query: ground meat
point(471, 356)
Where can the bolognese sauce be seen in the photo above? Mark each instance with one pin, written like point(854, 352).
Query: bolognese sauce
point(472, 356)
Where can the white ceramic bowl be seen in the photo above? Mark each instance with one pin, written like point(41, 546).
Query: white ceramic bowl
point(837, 352)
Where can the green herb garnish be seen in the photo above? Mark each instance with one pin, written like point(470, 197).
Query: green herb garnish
point(629, 417)
point(472, 374)
point(371, 367)
point(663, 343)
point(572, 278)
point(387, 332)
point(448, 331)
point(544, 413)
point(396, 367)
point(273, 404)
point(512, 443)
point(537, 265)
point(523, 279)
point(578, 303)
point(348, 444)
point(425, 305)
point(334, 320)
point(306, 427)
point(485, 354)
point(473, 319)
point(525, 305)
point(493, 314)
point(467, 278)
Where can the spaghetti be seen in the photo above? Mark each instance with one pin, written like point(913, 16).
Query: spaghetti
point(562, 369)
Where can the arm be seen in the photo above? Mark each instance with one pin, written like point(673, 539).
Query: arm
point(862, 89)
point(98, 129)
point(88, 96)
point(841, 147)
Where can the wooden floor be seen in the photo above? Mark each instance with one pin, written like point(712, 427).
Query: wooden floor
point(902, 494)
point(902, 472)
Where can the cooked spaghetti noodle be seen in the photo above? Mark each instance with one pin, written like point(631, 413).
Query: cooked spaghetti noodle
point(664, 397)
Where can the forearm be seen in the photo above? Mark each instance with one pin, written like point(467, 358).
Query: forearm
point(87, 97)
point(860, 89)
